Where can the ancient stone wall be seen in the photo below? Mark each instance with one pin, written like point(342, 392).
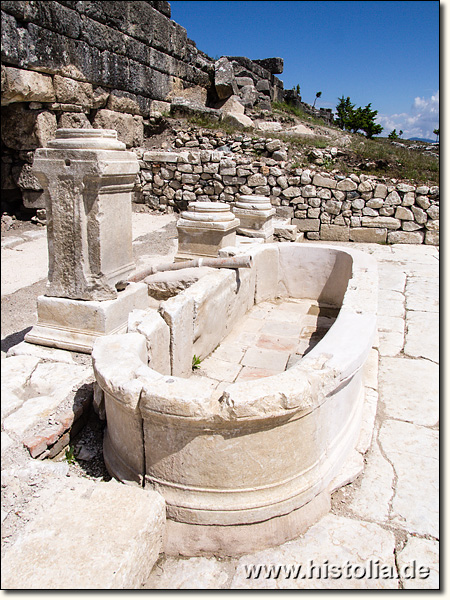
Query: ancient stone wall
point(86, 64)
point(107, 65)
point(323, 205)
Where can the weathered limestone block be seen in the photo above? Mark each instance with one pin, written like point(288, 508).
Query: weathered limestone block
point(346, 185)
point(232, 104)
point(178, 313)
point(157, 335)
point(224, 78)
point(24, 129)
point(325, 182)
point(71, 91)
point(336, 233)
point(368, 234)
point(237, 120)
point(124, 526)
point(404, 214)
point(248, 95)
point(130, 128)
point(388, 222)
point(307, 224)
point(76, 120)
point(182, 107)
point(432, 238)
point(405, 237)
point(19, 85)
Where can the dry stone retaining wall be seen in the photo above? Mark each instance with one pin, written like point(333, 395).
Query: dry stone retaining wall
point(323, 205)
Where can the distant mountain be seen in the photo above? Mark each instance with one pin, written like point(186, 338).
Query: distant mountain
point(422, 140)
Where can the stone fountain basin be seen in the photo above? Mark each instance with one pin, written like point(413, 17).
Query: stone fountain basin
point(249, 464)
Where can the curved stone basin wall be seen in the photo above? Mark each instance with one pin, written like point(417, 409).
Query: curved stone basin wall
point(249, 465)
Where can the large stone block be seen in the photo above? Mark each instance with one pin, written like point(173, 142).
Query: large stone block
point(224, 78)
point(368, 234)
point(387, 222)
point(307, 224)
point(24, 129)
point(71, 91)
point(130, 128)
point(114, 531)
point(273, 65)
point(336, 233)
point(405, 237)
point(19, 85)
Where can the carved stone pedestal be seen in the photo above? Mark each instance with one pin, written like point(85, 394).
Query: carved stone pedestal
point(255, 214)
point(204, 229)
point(88, 177)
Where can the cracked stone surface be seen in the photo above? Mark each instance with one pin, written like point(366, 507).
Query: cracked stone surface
point(389, 513)
point(410, 389)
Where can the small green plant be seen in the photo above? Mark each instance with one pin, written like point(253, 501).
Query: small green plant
point(196, 361)
point(71, 455)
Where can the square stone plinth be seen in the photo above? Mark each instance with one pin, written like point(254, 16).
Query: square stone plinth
point(204, 239)
point(76, 324)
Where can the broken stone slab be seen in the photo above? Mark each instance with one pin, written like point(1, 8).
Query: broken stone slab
point(15, 373)
point(422, 335)
point(41, 352)
point(409, 390)
point(164, 285)
point(422, 293)
point(157, 334)
point(342, 541)
point(392, 335)
point(419, 553)
point(45, 386)
point(371, 500)
point(90, 536)
point(413, 451)
point(269, 126)
point(197, 573)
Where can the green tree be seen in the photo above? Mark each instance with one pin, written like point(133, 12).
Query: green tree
point(436, 133)
point(393, 135)
point(400, 133)
point(345, 111)
point(360, 119)
point(318, 94)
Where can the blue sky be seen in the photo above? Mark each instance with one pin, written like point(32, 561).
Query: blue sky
point(385, 53)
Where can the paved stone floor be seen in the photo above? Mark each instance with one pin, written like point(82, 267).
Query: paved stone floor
point(386, 522)
point(272, 337)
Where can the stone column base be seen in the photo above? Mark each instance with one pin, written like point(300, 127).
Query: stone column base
point(205, 239)
point(76, 324)
point(188, 539)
